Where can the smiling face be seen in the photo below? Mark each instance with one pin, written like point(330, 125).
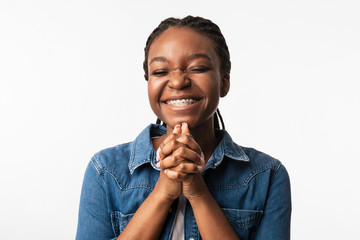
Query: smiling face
point(185, 82)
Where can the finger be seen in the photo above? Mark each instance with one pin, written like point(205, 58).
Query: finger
point(170, 162)
point(187, 138)
point(180, 155)
point(187, 167)
point(158, 154)
point(174, 135)
point(189, 155)
point(177, 129)
point(170, 147)
point(190, 142)
point(185, 128)
point(177, 176)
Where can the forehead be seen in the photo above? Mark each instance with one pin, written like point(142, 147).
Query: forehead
point(176, 41)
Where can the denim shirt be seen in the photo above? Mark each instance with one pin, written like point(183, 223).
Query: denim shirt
point(252, 189)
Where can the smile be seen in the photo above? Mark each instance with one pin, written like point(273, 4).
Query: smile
point(181, 102)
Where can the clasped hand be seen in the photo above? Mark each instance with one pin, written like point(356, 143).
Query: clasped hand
point(181, 160)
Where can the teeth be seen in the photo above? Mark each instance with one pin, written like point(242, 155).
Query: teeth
point(181, 102)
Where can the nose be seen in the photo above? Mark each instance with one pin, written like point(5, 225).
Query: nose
point(178, 79)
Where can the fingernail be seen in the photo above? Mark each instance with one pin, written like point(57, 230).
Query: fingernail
point(165, 171)
point(158, 154)
point(199, 168)
point(176, 126)
point(202, 158)
point(158, 164)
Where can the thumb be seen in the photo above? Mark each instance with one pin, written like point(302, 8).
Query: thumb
point(177, 129)
point(185, 128)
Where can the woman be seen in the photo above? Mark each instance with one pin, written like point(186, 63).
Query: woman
point(185, 179)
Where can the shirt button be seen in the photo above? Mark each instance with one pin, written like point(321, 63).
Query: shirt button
point(191, 238)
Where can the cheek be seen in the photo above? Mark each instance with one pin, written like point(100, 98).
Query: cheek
point(211, 87)
point(153, 93)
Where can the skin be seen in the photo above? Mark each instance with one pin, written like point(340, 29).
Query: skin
point(183, 65)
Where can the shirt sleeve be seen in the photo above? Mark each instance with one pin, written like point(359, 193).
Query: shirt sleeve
point(275, 223)
point(94, 220)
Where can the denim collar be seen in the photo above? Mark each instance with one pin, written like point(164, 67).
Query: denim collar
point(142, 150)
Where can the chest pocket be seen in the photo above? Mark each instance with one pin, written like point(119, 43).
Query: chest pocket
point(244, 222)
point(119, 221)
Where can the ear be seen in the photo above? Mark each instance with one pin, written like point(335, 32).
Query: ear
point(225, 84)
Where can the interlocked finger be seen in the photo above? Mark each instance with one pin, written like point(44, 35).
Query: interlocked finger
point(171, 138)
point(177, 176)
point(179, 163)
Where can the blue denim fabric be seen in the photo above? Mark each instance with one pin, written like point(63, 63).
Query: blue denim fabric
point(252, 188)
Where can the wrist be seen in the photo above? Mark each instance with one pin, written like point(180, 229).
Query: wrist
point(162, 196)
point(199, 196)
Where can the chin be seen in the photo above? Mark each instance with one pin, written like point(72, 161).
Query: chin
point(192, 123)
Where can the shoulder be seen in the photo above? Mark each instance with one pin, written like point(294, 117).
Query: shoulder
point(265, 167)
point(112, 158)
point(250, 163)
point(125, 158)
point(247, 158)
point(261, 160)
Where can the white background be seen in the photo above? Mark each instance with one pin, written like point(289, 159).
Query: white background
point(71, 84)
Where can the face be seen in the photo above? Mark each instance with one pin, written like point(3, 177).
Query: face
point(185, 82)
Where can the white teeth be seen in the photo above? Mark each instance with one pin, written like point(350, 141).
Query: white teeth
point(181, 102)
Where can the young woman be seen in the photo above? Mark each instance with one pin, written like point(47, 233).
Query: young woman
point(186, 178)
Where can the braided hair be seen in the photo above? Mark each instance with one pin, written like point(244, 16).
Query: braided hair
point(202, 26)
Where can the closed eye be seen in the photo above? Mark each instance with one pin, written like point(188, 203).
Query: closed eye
point(160, 73)
point(198, 69)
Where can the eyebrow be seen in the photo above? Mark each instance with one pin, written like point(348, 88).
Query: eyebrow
point(158, 59)
point(199, 55)
point(191, 57)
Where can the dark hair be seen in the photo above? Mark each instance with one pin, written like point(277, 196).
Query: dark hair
point(202, 26)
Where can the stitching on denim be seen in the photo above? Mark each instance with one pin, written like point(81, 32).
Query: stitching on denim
point(276, 170)
point(244, 223)
point(132, 165)
point(115, 223)
point(254, 173)
point(247, 180)
point(123, 187)
point(120, 220)
point(251, 220)
point(101, 171)
point(98, 168)
point(132, 154)
point(97, 165)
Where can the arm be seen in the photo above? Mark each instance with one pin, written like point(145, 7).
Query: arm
point(275, 223)
point(148, 220)
point(211, 221)
point(182, 163)
point(94, 220)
